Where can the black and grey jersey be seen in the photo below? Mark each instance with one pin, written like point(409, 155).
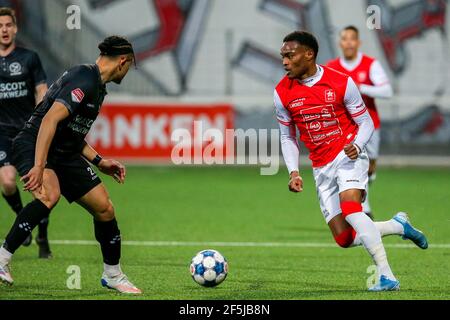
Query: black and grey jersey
point(81, 91)
point(20, 72)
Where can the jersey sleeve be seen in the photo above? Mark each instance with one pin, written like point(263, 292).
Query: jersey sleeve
point(77, 86)
point(381, 88)
point(283, 115)
point(377, 74)
point(358, 110)
point(288, 135)
point(39, 75)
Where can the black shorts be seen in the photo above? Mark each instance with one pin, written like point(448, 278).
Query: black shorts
point(76, 177)
point(6, 139)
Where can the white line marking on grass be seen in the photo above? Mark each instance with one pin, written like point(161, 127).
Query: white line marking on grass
point(237, 244)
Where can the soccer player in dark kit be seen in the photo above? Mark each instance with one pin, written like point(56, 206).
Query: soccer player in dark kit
point(22, 86)
point(51, 156)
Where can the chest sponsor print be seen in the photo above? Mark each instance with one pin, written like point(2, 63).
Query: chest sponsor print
point(321, 124)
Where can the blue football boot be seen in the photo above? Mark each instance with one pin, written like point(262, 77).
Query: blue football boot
point(385, 284)
point(410, 232)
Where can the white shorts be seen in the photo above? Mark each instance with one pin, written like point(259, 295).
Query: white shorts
point(373, 145)
point(337, 176)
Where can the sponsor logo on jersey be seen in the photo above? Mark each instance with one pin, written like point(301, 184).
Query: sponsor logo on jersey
point(329, 95)
point(315, 126)
point(296, 103)
point(15, 69)
point(321, 124)
point(77, 95)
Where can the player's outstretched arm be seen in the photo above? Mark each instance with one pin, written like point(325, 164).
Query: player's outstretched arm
point(110, 167)
point(57, 113)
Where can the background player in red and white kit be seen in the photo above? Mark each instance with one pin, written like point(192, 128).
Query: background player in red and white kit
point(22, 86)
point(372, 82)
point(334, 124)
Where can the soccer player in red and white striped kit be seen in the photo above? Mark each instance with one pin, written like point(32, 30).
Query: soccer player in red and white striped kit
point(372, 82)
point(334, 124)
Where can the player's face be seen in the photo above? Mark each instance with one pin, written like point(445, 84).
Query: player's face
point(8, 31)
point(349, 43)
point(296, 59)
point(122, 69)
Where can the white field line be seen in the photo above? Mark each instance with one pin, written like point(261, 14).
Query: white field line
point(236, 244)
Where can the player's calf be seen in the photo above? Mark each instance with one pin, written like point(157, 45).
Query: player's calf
point(25, 222)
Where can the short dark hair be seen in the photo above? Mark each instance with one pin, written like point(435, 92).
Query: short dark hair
point(5, 11)
point(115, 46)
point(351, 27)
point(304, 38)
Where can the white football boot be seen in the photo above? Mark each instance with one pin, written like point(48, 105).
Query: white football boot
point(5, 275)
point(119, 283)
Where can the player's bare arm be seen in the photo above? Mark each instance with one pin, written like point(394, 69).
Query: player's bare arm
point(57, 113)
point(110, 167)
point(40, 91)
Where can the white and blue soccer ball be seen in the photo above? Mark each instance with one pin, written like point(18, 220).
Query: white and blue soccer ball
point(209, 268)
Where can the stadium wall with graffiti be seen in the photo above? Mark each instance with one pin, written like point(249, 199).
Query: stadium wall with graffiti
point(226, 51)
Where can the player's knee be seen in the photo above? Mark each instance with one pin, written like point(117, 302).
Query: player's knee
point(345, 238)
point(105, 211)
point(49, 198)
point(9, 187)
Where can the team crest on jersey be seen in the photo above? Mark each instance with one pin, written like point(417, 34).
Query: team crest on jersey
point(330, 95)
point(15, 69)
point(77, 95)
point(362, 76)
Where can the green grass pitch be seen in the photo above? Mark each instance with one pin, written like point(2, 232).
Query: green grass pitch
point(237, 204)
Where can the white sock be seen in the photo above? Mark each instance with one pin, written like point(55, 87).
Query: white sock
point(365, 204)
point(112, 271)
point(5, 256)
point(380, 259)
point(386, 228)
point(370, 237)
point(389, 227)
point(366, 230)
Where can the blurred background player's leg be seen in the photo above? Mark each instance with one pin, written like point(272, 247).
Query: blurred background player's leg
point(372, 149)
point(42, 239)
point(10, 192)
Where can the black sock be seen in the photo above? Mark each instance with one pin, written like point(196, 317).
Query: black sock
point(108, 235)
point(25, 222)
point(42, 228)
point(14, 201)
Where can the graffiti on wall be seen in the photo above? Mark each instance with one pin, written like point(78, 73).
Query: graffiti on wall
point(409, 21)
